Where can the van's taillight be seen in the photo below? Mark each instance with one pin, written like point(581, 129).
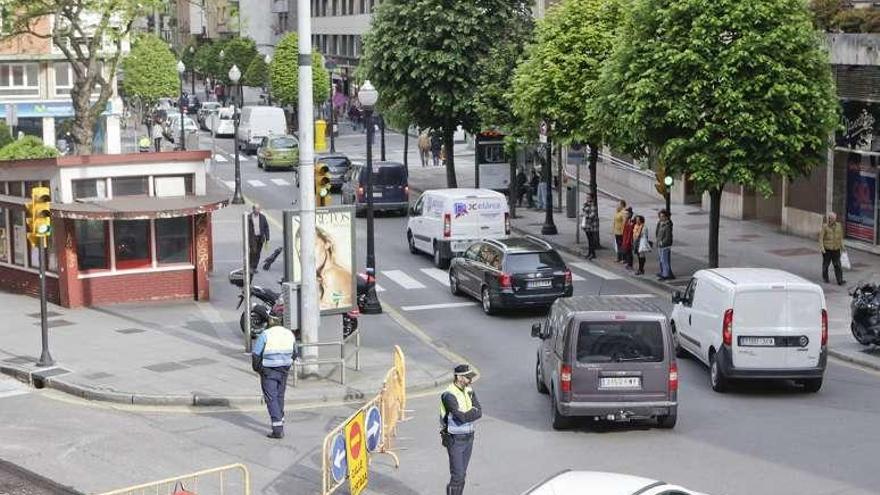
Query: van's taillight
point(824, 327)
point(447, 225)
point(507, 224)
point(505, 281)
point(727, 328)
point(567, 277)
point(673, 377)
point(406, 192)
point(565, 378)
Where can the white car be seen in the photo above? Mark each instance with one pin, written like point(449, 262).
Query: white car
point(222, 122)
point(601, 483)
point(444, 222)
point(172, 129)
point(753, 323)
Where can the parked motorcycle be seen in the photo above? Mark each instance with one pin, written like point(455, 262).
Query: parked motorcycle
point(264, 303)
point(865, 307)
point(350, 319)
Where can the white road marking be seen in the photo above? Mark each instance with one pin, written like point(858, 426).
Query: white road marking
point(437, 306)
point(10, 388)
point(403, 279)
point(280, 182)
point(256, 183)
point(379, 288)
point(576, 277)
point(437, 274)
point(634, 296)
point(595, 270)
point(220, 158)
point(230, 184)
point(243, 158)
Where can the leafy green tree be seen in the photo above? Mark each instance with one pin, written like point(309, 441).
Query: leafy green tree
point(428, 54)
point(204, 60)
point(26, 148)
point(80, 29)
point(257, 73)
point(236, 51)
point(725, 92)
point(150, 73)
point(5, 134)
point(284, 73)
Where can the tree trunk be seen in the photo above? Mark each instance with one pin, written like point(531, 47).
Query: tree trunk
point(714, 224)
point(448, 134)
point(406, 149)
point(594, 187)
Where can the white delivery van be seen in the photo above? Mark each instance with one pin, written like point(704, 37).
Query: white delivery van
point(753, 323)
point(444, 222)
point(258, 122)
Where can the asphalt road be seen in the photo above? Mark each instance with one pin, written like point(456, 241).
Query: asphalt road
point(758, 439)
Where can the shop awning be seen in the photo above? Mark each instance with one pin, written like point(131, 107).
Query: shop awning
point(140, 208)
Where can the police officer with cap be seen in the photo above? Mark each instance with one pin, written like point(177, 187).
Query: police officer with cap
point(273, 354)
point(459, 409)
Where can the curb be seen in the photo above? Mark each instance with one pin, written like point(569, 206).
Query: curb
point(36, 479)
point(873, 364)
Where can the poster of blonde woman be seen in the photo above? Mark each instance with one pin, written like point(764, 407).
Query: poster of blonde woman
point(334, 252)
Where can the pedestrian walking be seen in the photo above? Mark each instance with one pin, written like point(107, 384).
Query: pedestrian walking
point(533, 188)
point(641, 243)
point(590, 226)
point(436, 147)
point(831, 246)
point(208, 89)
point(220, 94)
point(459, 409)
point(663, 237)
point(272, 357)
point(424, 147)
point(522, 187)
point(156, 135)
point(617, 224)
point(258, 236)
point(626, 244)
point(542, 192)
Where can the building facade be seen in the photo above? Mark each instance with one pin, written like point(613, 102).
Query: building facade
point(130, 227)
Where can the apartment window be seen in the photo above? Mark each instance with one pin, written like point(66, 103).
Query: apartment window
point(65, 76)
point(131, 186)
point(173, 185)
point(91, 245)
point(131, 239)
point(19, 79)
point(89, 189)
point(174, 240)
point(19, 238)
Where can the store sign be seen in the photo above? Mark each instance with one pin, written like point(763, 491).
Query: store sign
point(45, 109)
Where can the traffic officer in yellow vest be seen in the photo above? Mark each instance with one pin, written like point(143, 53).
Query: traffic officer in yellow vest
point(273, 354)
point(459, 409)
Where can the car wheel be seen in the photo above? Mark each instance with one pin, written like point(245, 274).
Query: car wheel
point(439, 260)
point(453, 284)
point(668, 421)
point(716, 376)
point(860, 335)
point(259, 163)
point(412, 243)
point(486, 301)
point(812, 385)
point(679, 350)
point(557, 419)
point(539, 379)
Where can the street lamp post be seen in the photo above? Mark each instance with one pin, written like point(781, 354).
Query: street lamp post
point(332, 115)
point(268, 60)
point(192, 69)
point(668, 181)
point(237, 199)
point(549, 228)
point(181, 70)
point(382, 129)
point(368, 97)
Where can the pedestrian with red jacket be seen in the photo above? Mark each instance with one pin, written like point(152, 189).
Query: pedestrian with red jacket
point(627, 238)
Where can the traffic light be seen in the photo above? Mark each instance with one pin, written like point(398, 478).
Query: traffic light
point(322, 184)
point(660, 186)
point(39, 216)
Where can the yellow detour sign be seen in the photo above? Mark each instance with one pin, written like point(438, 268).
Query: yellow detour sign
point(356, 450)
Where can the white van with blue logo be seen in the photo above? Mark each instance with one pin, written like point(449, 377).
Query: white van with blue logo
point(444, 222)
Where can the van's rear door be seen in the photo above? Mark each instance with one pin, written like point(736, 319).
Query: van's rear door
point(478, 217)
point(763, 335)
point(619, 358)
point(804, 332)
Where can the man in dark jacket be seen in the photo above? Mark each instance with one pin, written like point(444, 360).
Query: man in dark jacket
point(663, 236)
point(258, 236)
point(459, 409)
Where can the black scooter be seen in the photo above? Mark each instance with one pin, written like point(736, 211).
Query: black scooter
point(865, 308)
point(268, 303)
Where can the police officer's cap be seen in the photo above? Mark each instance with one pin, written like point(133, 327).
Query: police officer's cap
point(465, 370)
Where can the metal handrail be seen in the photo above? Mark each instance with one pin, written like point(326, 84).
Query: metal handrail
point(341, 361)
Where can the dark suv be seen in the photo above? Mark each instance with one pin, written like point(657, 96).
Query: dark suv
point(509, 273)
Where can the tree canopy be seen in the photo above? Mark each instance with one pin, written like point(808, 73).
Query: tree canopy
point(725, 91)
point(236, 51)
point(26, 148)
point(284, 73)
point(150, 70)
point(257, 73)
point(428, 55)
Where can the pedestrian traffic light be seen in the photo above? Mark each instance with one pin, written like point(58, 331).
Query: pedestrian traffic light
point(39, 216)
point(322, 184)
point(660, 186)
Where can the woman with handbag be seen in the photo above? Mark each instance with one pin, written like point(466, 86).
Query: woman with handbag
point(642, 245)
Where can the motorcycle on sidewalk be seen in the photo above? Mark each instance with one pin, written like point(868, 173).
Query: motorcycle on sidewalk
point(865, 307)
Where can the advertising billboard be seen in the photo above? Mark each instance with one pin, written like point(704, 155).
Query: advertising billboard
point(861, 199)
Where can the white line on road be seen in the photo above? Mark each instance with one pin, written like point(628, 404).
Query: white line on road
point(634, 296)
point(230, 184)
point(280, 182)
point(379, 288)
point(256, 183)
point(576, 277)
point(220, 158)
point(437, 306)
point(437, 274)
point(12, 393)
point(403, 279)
point(595, 270)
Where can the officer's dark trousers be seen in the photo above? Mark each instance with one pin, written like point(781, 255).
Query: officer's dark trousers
point(459, 450)
point(274, 382)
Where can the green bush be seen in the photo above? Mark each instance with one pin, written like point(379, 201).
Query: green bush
point(27, 147)
point(5, 134)
point(857, 21)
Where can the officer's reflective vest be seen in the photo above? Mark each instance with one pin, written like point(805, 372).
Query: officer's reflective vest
point(463, 397)
point(278, 350)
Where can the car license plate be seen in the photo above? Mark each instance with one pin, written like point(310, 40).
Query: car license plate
point(460, 246)
point(620, 382)
point(539, 284)
point(377, 194)
point(757, 341)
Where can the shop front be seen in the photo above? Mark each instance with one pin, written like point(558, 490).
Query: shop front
point(856, 160)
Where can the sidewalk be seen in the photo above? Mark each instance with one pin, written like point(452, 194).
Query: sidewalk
point(742, 243)
point(192, 353)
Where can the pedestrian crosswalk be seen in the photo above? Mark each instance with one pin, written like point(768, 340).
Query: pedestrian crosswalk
point(402, 279)
point(10, 388)
point(595, 270)
point(280, 182)
point(256, 183)
point(220, 158)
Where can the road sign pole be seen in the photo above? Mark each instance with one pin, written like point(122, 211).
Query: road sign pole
point(311, 316)
point(45, 356)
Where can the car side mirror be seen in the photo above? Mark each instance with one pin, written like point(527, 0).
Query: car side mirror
point(676, 297)
point(536, 331)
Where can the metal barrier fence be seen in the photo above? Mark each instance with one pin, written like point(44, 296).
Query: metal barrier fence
point(341, 361)
point(213, 481)
point(391, 401)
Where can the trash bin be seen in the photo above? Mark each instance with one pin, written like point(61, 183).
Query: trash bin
point(570, 202)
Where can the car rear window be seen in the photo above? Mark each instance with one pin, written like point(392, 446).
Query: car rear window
point(387, 176)
point(284, 142)
point(529, 262)
point(335, 162)
point(620, 341)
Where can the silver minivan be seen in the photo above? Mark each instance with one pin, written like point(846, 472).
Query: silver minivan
point(608, 358)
